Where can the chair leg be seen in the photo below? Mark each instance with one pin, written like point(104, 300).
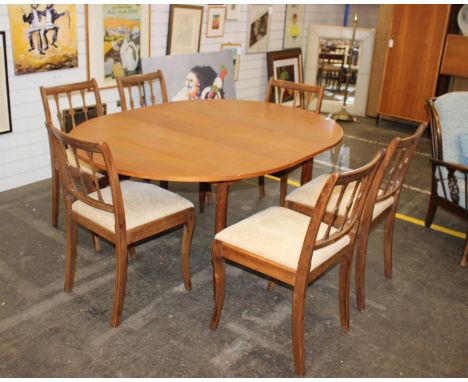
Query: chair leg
point(55, 196)
point(186, 242)
point(219, 282)
point(283, 189)
point(343, 293)
point(164, 184)
point(201, 196)
point(120, 283)
point(464, 259)
point(261, 186)
point(298, 329)
point(131, 252)
point(96, 243)
point(271, 285)
point(209, 194)
point(360, 272)
point(388, 242)
point(431, 210)
point(70, 262)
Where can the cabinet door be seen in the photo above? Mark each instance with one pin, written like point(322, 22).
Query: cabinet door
point(415, 49)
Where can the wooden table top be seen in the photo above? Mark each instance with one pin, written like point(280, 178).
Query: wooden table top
point(211, 140)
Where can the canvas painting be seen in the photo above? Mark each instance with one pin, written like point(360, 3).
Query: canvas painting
point(258, 37)
point(294, 26)
point(44, 37)
point(5, 115)
point(195, 76)
point(118, 36)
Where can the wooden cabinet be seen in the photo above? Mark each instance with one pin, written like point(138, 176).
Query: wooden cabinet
point(416, 43)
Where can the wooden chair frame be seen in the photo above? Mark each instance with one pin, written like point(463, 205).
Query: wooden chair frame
point(449, 200)
point(360, 180)
point(387, 183)
point(139, 80)
point(76, 187)
point(302, 98)
point(57, 92)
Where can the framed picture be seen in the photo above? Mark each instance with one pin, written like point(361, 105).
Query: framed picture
point(117, 37)
point(233, 11)
point(285, 65)
point(258, 36)
point(185, 25)
point(215, 21)
point(43, 37)
point(236, 51)
point(294, 26)
point(5, 111)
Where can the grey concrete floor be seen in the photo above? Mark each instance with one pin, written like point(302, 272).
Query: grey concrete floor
point(415, 325)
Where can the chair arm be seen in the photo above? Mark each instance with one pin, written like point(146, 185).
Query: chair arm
point(449, 165)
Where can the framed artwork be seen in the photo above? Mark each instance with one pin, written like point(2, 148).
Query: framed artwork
point(185, 25)
point(215, 21)
point(233, 11)
point(258, 36)
point(43, 37)
point(236, 51)
point(5, 111)
point(294, 26)
point(285, 65)
point(118, 37)
point(195, 76)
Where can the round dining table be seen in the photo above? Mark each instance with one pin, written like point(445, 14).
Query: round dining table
point(213, 141)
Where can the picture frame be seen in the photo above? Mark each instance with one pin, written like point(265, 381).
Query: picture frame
point(5, 106)
point(294, 26)
point(233, 11)
point(122, 32)
point(285, 65)
point(215, 21)
point(184, 30)
point(236, 49)
point(43, 37)
point(258, 29)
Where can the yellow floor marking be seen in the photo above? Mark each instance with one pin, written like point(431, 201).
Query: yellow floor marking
point(405, 218)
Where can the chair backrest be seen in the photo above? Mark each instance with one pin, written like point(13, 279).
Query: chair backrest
point(80, 183)
point(391, 174)
point(448, 119)
point(72, 103)
point(142, 82)
point(356, 185)
point(301, 95)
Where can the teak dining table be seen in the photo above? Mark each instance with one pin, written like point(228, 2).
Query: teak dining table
point(213, 141)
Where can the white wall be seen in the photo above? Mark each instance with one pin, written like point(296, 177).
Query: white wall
point(24, 154)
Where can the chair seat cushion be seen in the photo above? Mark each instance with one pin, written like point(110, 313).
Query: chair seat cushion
point(309, 193)
point(277, 234)
point(143, 203)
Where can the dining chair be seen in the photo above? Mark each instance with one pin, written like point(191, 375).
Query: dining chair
point(296, 249)
point(123, 213)
point(145, 85)
point(67, 106)
point(382, 202)
point(307, 97)
point(449, 132)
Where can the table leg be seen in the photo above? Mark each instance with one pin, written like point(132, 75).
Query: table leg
point(306, 175)
point(221, 206)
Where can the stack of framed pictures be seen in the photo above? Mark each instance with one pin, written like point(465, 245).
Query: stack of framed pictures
point(5, 111)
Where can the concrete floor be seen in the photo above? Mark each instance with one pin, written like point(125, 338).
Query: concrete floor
point(415, 325)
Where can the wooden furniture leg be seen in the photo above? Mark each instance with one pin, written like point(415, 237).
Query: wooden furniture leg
point(306, 174)
point(464, 259)
point(221, 206)
point(186, 241)
point(55, 196)
point(261, 186)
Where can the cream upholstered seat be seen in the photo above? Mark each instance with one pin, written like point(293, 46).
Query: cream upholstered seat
point(278, 234)
point(143, 203)
point(309, 193)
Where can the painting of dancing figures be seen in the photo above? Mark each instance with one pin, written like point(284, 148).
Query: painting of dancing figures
point(43, 37)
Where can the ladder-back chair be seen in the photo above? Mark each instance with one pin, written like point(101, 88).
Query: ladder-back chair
point(307, 97)
point(296, 249)
point(123, 212)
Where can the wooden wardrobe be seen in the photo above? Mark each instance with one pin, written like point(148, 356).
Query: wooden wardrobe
point(415, 47)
